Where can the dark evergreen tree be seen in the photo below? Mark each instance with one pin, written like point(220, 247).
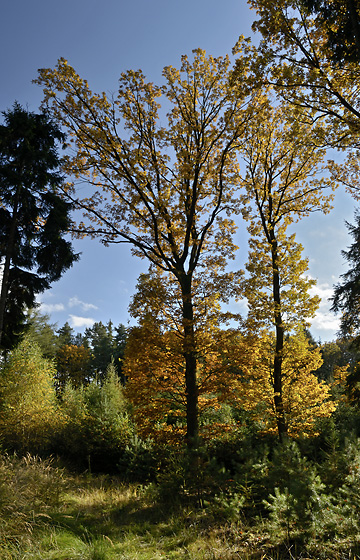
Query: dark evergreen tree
point(33, 217)
point(347, 293)
point(341, 21)
point(106, 344)
point(66, 335)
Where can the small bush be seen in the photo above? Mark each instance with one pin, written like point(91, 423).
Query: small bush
point(96, 427)
point(140, 461)
point(298, 497)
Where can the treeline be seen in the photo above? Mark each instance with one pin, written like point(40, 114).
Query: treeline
point(61, 393)
point(88, 397)
point(79, 357)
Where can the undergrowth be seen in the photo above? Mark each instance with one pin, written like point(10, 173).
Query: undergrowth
point(46, 513)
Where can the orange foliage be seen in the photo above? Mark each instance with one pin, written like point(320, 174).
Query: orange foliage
point(155, 365)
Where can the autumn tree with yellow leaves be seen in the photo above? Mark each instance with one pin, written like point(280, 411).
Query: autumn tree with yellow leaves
point(283, 183)
point(154, 360)
point(29, 411)
point(166, 190)
point(310, 60)
point(304, 399)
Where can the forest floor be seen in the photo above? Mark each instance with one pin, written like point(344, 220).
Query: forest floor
point(51, 515)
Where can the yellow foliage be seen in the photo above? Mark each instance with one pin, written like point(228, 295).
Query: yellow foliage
point(282, 183)
point(155, 356)
point(305, 398)
point(155, 365)
point(28, 407)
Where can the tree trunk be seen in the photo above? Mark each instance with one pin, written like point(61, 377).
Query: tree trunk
point(279, 343)
point(190, 355)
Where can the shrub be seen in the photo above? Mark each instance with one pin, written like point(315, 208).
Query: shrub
point(28, 406)
point(96, 427)
point(298, 501)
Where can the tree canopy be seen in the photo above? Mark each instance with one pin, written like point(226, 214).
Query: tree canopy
point(341, 22)
point(283, 183)
point(301, 60)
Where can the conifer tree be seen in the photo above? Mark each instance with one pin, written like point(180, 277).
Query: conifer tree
point(33, 217)
point(347, 292)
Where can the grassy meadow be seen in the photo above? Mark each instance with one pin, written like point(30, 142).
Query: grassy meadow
point(46, 513)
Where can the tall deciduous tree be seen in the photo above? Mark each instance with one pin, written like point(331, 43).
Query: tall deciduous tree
point(282, 186)
point(164, 190)
point(33, 217)
point(311, 54)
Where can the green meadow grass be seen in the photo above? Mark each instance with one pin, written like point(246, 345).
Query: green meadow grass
point(48, 514)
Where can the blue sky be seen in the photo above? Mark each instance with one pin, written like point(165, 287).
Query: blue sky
point(102, 39)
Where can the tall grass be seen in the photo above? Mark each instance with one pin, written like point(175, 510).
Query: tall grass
point(49, 514)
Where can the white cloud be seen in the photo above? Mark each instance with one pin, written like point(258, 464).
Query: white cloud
point(76, 302)
point(240, 306)
point(325, 291)
point(325, 320)
point(77, 322)
point(51, 307)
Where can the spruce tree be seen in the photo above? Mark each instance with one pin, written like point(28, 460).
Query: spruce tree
point(33, 216)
